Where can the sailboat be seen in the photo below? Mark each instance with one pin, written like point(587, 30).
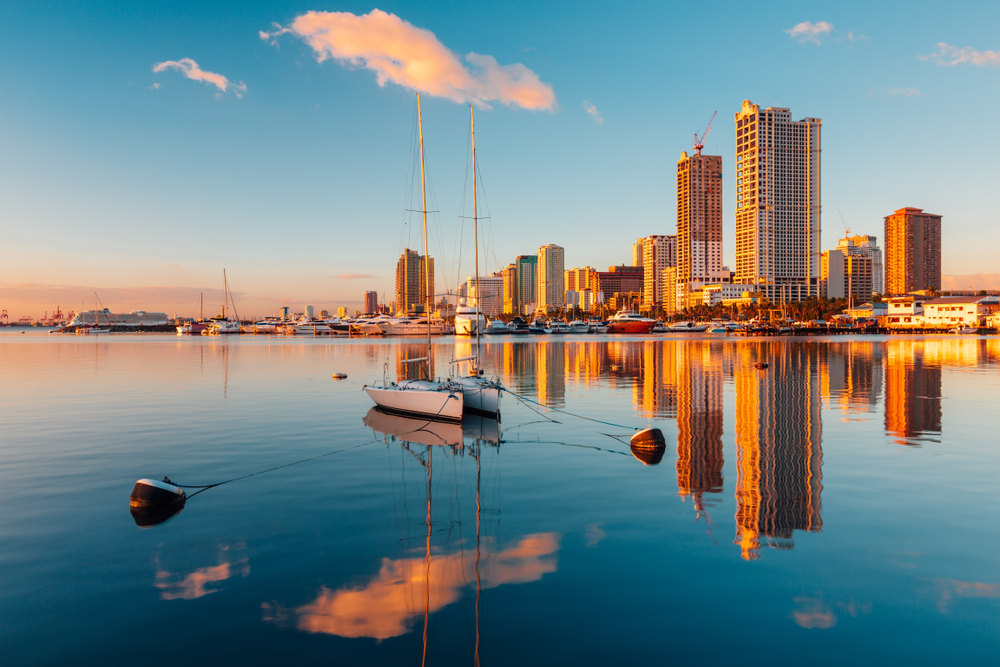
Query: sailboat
point(199, 326)
point(224, 324)
point(96, 328)
point(482, 395)
point(427, 398)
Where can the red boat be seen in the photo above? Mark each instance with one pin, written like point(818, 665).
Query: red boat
point(630, 322)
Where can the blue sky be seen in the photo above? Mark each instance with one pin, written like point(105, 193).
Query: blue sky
point(118, 178)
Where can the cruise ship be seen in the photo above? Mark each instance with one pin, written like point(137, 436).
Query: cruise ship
point(137, 318)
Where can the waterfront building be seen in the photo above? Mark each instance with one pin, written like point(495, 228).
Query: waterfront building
point(572, 299)
point(637, 253)
point(527, 283)
point(866, 246)
point(717, 293)
point(283, 312)
point(912, 251)
point(371, 303)
point(341, 312)
point(578, 279)
point(412, 285)
point(510, 295)
point(617, 282)
point(669, 282)
point(309, 312)
point(699, 223)
point(587, 300)
point(846, 275)
point(778, 202)
point(550, 278)
point(869, 311)
point(659, 251)
point(954, 311)
point(489, 294)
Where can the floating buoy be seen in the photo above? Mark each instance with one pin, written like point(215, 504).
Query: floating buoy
point(648, 438)
point(154, 502)
point(340, 376)
point(760, 365)
point(649, 457)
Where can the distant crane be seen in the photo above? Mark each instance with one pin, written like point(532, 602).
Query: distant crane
point(847, 230)
point(699, 143)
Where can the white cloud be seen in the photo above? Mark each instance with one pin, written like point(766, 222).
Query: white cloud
point(807, 31)
point(949, 55)
point(592, 111)
point(155, 86)
point(399, 52)
point(905, 92)
point(191, 70)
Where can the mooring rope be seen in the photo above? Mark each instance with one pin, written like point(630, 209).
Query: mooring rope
point(565, 412)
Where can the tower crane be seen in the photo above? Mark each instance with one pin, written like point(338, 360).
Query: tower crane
point(699, 143)
point(847, 230)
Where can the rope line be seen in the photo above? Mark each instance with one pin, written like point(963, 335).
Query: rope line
point(566, 412)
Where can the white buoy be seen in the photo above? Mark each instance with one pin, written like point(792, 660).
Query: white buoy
point(149, 493)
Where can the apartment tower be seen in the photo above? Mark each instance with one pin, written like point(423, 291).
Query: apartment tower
point(551, 289)
point(371, 303)
point(411, 281)
point(699, 223)
point(527, 282)
point(866, 246)
point(658, 252)
point(912, 251)
point(777, 202)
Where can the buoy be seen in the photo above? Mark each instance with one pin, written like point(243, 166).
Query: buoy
point(761, 365)
point(146, 518)
point(148, 493)
point(649, 457)
point(340, 376)
point(648, 438)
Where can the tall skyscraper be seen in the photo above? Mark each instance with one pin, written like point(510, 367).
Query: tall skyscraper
point(489, 293)
point(578, 280)
point(411, 281)
point(371, 303)
point(866, 246)
point(658, 252)
point(527, 282)
point(912, 251)
point(699, 223)
point(551, 288)
point(637, 253)
point(511, 304)
point(777, 202)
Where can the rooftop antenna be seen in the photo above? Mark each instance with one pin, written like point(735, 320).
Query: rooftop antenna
point(699, 142)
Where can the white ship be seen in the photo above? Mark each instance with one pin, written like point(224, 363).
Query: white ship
point(134, 319)
point(466, 318)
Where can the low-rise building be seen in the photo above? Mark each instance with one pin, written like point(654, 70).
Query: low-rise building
point(712, 295)
point(869, 311)
point(951, 311)
point(905, 311)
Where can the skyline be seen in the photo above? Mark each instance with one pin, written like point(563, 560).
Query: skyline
point(261, 148)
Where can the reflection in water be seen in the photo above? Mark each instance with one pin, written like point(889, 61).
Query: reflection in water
point(699, 424)
point(390, 604)
point(950, 589)
point(912, 394)
point(196, 584)
point(778, 451)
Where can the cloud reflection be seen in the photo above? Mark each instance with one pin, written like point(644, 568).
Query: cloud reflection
point(390, 603)
point(196, 584)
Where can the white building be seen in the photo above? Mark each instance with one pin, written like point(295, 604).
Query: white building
point(658, 252)
point(715, 294)
point(952, 311)
point(490, 295)
point(551, 288)
point(778, 202)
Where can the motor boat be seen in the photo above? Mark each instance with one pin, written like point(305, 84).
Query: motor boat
point(220, 326)
point(963, 330)
point(413, 326)
point(630, 322)
point(687, 327)
point(467, 320)
point(518, 327)
point(537, 327)
point(659, 327)
point(312, 327)
point(579, 327)
point(558, 327)
point(496, 327)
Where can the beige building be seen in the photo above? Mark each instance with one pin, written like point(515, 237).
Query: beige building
point(510, 294)
point(412, 285)
point(489, 294)
point(912, 251)
point(952, 311)
point(578, 280)
point(637, 253)
point(866, 246)
point(778, 202)
point(699, 223)
point(846, 275)
point(551, 289)
point(668, 289)
point(658, 252)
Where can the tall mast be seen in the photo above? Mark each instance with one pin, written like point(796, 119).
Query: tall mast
point(427, 259)
point(475, 225)
point(225, 294)
point(201, 306)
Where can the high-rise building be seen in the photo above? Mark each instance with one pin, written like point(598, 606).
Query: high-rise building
point(912, 251)
point(777, 202)
point(658, 252)
point(550, 278)
point(489, 294)
point(699, 223)
point(669, 285)
point(617, 280)
point(510, 294)
point(371, 303)
point(846, 275)
point(578, 280)
point(637, 253)
point(527, 282)
point(412, 286)
point(867, 246)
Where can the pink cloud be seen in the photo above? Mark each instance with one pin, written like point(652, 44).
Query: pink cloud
point(191, 70)
point(949, 55)
point(807, 31)
point(401, 53)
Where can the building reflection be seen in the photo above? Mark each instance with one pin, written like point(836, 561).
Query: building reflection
point(851, 375)
point(913, 390)
point(779, 457)
point(699, 421)
point(415, 370)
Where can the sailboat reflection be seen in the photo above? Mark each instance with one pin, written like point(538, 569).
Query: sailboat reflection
point(390, 603)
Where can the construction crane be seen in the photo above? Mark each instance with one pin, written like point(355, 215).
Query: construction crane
point(699, 143)
point(847, 230)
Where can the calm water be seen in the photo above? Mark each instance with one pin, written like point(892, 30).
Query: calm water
point(841, 506)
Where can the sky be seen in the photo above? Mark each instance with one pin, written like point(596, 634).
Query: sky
point(145, 147)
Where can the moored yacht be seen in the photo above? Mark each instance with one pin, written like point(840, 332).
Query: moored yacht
point(558, 327)
point(518, 327)
point(468, 320)
point(578, 327)
point(630, 322)
point(496, 327)
point(414, 325)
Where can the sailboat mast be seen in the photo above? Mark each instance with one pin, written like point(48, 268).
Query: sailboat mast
point(225, 294)
point(475, 224)
point(427, 259)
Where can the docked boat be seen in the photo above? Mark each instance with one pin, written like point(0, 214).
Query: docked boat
point(468, 320)
point(687, 327)
point(579, 327)
point(425, 398)
point(964, 330)
point(659, 327)
point(224, 324)
point(537, 327)
point(518, 327)
point(496, 327)
point(558, 327)
point(414, 325)
point(310, 327)
point(629, 322)
point(100, 321)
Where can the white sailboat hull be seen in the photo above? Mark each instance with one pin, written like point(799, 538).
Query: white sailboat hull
point(481, 396)
point(419, 398)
